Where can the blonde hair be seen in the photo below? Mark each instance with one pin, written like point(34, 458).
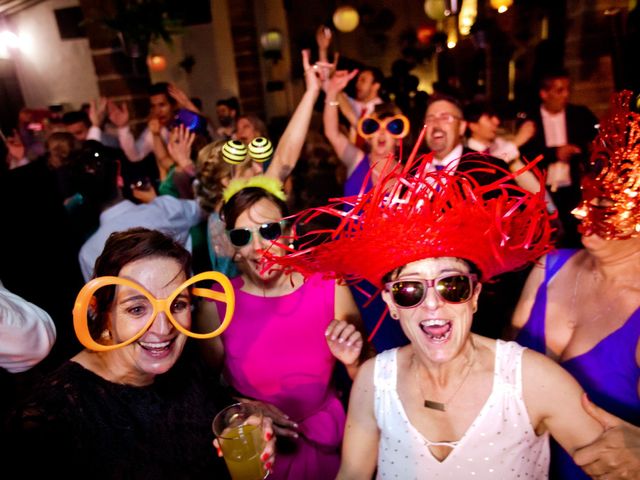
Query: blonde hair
point(211, 171)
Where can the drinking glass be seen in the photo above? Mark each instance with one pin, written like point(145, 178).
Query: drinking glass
point(241, 438)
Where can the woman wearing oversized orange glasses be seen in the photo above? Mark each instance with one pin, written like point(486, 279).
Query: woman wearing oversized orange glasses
point(135, 403)
point(383, 131)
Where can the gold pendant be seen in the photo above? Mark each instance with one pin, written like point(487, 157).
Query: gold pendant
point(434, 405)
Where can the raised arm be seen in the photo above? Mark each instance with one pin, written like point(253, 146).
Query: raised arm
point(338, 140)
point(553, 400)
point(180, 143)
point(181, 98)
point(97, 113)
point(361, 433)
point(290, 144)
point(160, 151)
point(119, 116)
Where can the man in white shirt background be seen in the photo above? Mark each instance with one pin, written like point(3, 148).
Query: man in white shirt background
point(162, 107)
point(563, 132)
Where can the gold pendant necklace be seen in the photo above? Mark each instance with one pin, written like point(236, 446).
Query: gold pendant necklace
point(442, 406)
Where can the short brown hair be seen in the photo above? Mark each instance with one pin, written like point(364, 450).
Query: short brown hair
point(125, 247)
point(244, 200)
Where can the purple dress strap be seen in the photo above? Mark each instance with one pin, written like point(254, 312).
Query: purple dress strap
point(532, 334)
point(353, 184)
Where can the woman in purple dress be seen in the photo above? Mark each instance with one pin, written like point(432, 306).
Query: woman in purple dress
point(582, 307)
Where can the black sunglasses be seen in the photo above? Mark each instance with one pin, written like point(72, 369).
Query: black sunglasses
point(241, 237)
point(456, 288)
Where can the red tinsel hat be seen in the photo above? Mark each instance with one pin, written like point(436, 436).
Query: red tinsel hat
point(610, 204)
point(413, 213)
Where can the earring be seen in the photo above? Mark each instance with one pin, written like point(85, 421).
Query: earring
point(105, 335)
point(394, 315)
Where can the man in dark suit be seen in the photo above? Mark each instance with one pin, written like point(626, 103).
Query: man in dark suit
point(563, 133)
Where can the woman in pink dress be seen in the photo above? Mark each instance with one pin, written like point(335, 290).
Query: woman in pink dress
point(285, 337)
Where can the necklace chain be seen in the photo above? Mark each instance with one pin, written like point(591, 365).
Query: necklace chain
point(442, 406)
point(611, 304)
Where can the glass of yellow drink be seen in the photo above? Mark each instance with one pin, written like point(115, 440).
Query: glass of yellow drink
point(239, 431)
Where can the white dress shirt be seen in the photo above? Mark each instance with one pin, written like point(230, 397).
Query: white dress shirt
point(451, 161)
point(136, 150)
point(499, 148)
point(27, 332)
point(555, 128)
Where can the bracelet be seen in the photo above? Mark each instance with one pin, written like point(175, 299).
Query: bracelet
point(333, 103)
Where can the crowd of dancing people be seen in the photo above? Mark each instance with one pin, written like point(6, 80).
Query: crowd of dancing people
point(467, 304)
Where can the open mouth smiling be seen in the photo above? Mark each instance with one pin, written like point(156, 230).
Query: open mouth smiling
point(437, 330)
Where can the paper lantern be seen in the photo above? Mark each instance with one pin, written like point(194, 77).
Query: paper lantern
point(271, 41)
point(346, 19)
point(501, 5)
point(157, 63)
point(435, 9)
point(425, 34)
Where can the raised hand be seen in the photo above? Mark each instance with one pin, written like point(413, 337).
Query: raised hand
point(323, 39)
point(339, 81)
point(345, 342)
point(181, 98)
point(312, 78)
point(118, 114)
point(179, 147)
point(97, 111)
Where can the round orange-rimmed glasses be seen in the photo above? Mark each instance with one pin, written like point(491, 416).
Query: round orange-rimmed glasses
point(397, 126)
point(85, 300)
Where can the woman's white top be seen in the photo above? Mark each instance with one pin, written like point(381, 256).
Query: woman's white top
point(501, 442)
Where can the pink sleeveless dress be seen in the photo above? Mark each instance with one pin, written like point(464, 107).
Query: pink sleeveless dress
point(275, 351)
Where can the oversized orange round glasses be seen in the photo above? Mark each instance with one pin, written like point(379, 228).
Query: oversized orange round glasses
point(86, 300)
point(397, 126)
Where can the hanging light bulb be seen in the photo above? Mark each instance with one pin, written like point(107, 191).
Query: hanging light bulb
point(467, 17)
point(346, 18)
point(157, 63)
point(435, 9)
point(501, 5)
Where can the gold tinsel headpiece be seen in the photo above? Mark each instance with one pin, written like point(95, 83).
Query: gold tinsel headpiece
point(610, 205)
